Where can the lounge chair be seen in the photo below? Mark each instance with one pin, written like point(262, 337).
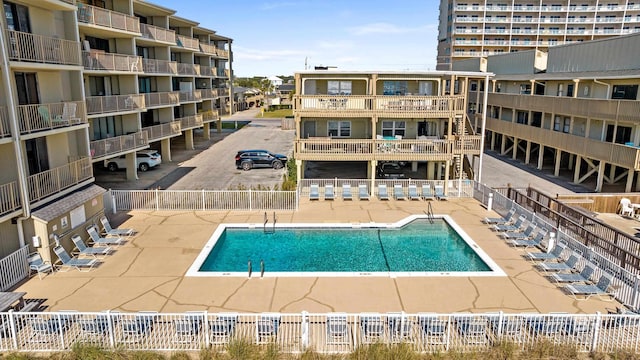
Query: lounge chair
point(97, 239)
point(93, 251)
point(472, 329)
point(107, 230)
point(413, 192)
point(602, 289)
point(328, 192)
point(439, 192)
point(555, 254)
point(434, 329)
point(337, 328)
point(549, 326)
point(507, 326)
point(314, 192)
point(398, 192)
point(427, 194)
point(137, 327)
point(507, 219)
point(346, 192)
point(371, 328)
point(67, 262)
point(223, 327)
point(96, 327)
point(382, 192)
point(45, 330)
point(267, 327)
point(553, 266)
point(518, 225)
point(187, 328)
point(583, 277)
point(363, 192)
point(527, 242)
point(525, 234)
point(399, 327)
point(38, 265)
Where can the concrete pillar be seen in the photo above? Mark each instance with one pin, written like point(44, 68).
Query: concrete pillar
point(629, 185)
point(637, 184)
point(219, 125)
point(414, 166)
point(514, 151)
point(493, 141)
point(612, 173)
point(571, 157)
point(576, 170)
point(431, 170)
point(527, 153)
point(132, 169)
point(447, 165)
point(206, 128)
point(540, 157)
point(371, 174)
point(439, 170)
point(556, 170)
point(165, 150)
point(299, 169)
point(600, 176)
point(188, 139)
point(503, 145)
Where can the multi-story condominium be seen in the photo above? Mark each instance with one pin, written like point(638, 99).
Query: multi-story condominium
point(575, 107)
point(373, 117)
point(487, 27)
point(86, 81)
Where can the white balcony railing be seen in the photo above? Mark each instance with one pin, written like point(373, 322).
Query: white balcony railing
point(114, 103)
point(5, 129)
point(162, 98)
point(210, 115)
point(161, 131)
point(38, 117)
point(53, 181)
point(208, 48)
point(42, 49)
point(156, 33)
point(94, 15)
point(188, 42)
point(155, 66)
point(119, 144)
point(9, 198)
point(188, 69)
point(93, 60)
point(190, 122)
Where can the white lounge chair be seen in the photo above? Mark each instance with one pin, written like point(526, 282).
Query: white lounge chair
point(346, 192)
point(382, 192)
point(398, 192)
point(328, 192)
point(38, 265)
point(93, 251)
point(67, 262)
point(107, 230)
point(439, 192)
point(625, 207)
point(314, 192)
point(337, 328)
point(97, 239)
point(363, 192)
point(427, 194)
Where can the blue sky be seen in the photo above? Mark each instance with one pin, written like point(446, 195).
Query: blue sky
point(275, 37)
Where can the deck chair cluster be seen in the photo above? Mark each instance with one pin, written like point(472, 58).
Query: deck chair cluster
point(399, 192)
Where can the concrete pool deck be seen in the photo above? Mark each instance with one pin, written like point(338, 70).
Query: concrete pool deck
point(147, 273)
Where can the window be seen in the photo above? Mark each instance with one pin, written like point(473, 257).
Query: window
point(523, 117)
point(339, 87)
point(339, 129)
point(525, 89)
point(425, 88)
point(394, 87)
point(625, 92)
point(393, 128)
point(17, 17)
point(97, 43)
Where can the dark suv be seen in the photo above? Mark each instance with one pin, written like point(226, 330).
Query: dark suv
point(390, 170)
point(248, 159)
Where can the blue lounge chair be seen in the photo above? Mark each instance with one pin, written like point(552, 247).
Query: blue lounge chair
point(363, 192)
point(337, 328)
point(382, 192)
point(97, 239)
point(399, 327)
point(434, 329)
point(549, 326)
point(439, 192)
point(67, 262)
point(527, 233)
point(223, 327)
point(38, 265)
point(472, 329)
point(137, 327)
point(427, 194)
point(553, 266)
point(346, 192)
point(602, 289)
point(398, 192)
point(93, 251)
point(518, 225)
point(188, 327)
point(583, 277)
point(107, 230)
point(555, 254)
point(371, 328)
point(328, 192)
point(267, 327)
point(314, 192)
point(413, 192)
point(527, 243)
point(507, 219)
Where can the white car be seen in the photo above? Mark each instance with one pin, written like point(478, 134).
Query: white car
point(145, 159)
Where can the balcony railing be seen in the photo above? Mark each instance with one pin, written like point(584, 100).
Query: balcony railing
point(190, 122)
point(208, 48)
point(618, 154)
point(188, 42)
point(114, 103)
point(210, 115)
point(93, 15)
point(222, 53)
point(42, 49)
point(207, 70)
point(190, 96)
point(209, 93)
point(162, 98)
point(188, 69)
point(162, 131)
point(5, 129)
point(119, 144)
point(55, 180)
point(154, 66)
point(113, 62)
point(156, 33)
point(39, 117)
point(431, 106)
point(9, 198)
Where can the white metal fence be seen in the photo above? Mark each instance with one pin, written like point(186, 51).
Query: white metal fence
point(204, 200)
point(13, 268)
point(323, 333)
point(451, 188)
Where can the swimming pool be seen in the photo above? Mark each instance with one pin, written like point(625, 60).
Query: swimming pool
point(415, 246)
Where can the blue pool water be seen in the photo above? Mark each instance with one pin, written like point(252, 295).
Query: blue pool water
point(419, 246)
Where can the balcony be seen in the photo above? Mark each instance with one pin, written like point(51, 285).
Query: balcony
point(222, 53)
point(188, 42)
point(9, 198)
point(157, 34)
point(161, 99)
point(5, 129)
point(207, 70)
point(106, 148)
point(40, 117)
point(605, 109)
point(92, 15)
point(208, 93)
point(190, 122)
point(190, 96)
point(47, 183)
point(114, 103)
point(101, 61)
point(617, 154)
point(384, 105)
point(208, 48)
point(385, 150)
point(29, 47)
point(210, 116)
point(154, 66)
point(163, 131)
point(188, 69)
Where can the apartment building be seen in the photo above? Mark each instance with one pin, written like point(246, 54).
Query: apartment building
point(575, 108)
point(373, 117)
point(486, 27)
point(83, 81)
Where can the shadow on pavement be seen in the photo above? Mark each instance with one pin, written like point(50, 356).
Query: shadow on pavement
point(171, 178)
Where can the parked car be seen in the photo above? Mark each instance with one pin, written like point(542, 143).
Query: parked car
point(248, 159)
point(390, 170)
point(145, 159)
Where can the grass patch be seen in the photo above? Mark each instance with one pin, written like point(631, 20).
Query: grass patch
point(232, 124)
point(278, 113)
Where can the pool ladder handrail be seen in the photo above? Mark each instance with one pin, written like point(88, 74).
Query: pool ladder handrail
point(266, 222)
point(429, 212)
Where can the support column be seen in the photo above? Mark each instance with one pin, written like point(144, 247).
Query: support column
point(447, 165)
point(371, 174)
point(132, 169)
point(431, 170)
point(540, 157)
point(165, 150)
point(571, 157)
point(629, 185)
point(503, 145)
point(219, 125)
point(576, 170)
point(612, 174)
point(493, 141)
point(206, 130)
point(299, 169)
point(600, 176)
point(188, 139)
point(527, 154)
point(514, 151)
point(556, 171)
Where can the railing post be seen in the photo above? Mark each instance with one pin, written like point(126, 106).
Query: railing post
point(490, 202)
point(500, 320)
point(113, 201)
point(12, 324)
point(250, 206)
point(203, 201)
point(207, 340)
point(305, 330)
point(157, 201)
point(112, 340)
point(596, 331)
point(636, 286)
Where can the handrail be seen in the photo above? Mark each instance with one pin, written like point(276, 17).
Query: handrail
point(25, 46)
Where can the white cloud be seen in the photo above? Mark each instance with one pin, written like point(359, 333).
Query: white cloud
point(386, 28)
